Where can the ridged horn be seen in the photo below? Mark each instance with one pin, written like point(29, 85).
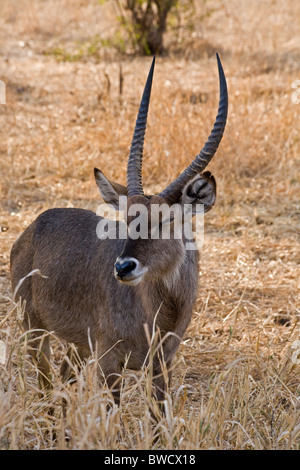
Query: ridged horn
point(134, 165)
point(174, 190)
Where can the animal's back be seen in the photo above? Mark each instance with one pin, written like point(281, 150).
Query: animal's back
point(49, 233)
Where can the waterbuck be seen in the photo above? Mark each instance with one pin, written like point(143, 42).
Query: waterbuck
point(100, 293)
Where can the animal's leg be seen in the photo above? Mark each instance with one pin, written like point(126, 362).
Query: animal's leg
point(39, 347)
point(39, 344)
point(74, 359)
point(110, 369)
point(162, 375)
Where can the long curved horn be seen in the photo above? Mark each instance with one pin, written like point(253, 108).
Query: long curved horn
point(134, 165)
point(174, 190)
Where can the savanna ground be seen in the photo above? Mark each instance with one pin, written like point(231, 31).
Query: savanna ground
point(236, 380)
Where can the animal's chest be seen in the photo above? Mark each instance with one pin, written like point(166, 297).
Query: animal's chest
point(171, 305)
point(152, 308)
point(165, 327)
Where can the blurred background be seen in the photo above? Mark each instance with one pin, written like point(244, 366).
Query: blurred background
point(74, 72)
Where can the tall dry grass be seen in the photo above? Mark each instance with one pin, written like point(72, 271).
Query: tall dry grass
point(250, 404)
point(236, 375)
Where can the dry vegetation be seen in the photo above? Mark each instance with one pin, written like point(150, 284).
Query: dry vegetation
point(236, 381)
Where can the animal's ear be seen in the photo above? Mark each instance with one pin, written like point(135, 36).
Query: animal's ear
point(200, 190)
point(109, 190)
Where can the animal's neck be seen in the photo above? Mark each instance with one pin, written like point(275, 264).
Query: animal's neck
point(174, 292)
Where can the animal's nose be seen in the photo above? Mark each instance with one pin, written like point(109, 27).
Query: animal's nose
point(124, 267)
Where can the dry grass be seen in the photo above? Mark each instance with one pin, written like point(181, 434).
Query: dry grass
point(236, 381)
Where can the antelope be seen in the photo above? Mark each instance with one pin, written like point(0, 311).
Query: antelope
point(102, 292)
